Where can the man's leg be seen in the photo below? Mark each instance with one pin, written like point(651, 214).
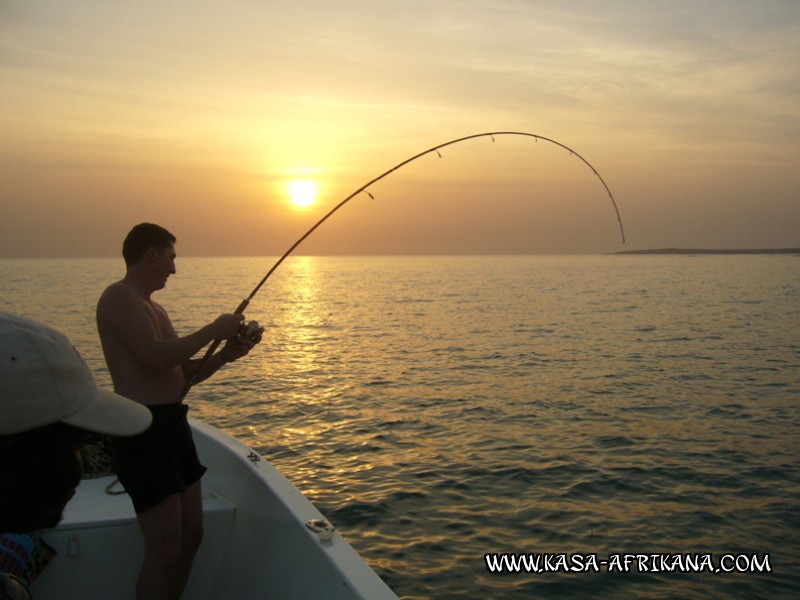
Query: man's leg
point(172, 531)
point(162, 530)
point(192, 534)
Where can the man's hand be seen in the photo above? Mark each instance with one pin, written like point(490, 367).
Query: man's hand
point(226, 326)
point(237, 347)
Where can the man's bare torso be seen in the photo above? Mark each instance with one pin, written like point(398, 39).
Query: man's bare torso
point(127, 322)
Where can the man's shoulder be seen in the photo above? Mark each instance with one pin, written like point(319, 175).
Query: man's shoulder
point(117, 286)
point(116, 291)
point(119, 297)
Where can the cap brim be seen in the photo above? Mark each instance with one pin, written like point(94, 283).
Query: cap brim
point(111, 414)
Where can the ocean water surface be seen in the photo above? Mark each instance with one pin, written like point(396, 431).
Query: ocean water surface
point(437, 409)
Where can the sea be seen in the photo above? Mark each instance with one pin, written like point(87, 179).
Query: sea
point(507, 426)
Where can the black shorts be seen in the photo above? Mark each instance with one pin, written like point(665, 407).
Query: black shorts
point(160, 462)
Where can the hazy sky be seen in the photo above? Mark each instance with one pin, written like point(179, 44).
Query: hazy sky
point(196, 115)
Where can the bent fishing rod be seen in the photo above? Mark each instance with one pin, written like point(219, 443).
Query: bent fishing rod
point(363, 189)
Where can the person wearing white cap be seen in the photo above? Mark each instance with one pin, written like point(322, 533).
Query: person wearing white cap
point(48, 400)
point(150, 364)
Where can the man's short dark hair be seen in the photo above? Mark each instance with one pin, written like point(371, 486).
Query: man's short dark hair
point(141, 238)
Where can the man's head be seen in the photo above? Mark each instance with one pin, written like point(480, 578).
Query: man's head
point(142, 237)
point(48, 399)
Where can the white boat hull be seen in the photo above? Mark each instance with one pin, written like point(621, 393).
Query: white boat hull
point(256, 542)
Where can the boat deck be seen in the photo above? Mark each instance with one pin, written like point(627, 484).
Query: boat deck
point(83, 511)
point(256, 543)
point(95, 537)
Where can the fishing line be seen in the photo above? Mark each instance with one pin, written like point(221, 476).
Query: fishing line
point(363, 189)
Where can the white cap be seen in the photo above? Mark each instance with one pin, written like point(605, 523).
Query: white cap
point(44, 380)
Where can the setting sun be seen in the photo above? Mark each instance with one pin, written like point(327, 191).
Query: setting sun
point(302, 192)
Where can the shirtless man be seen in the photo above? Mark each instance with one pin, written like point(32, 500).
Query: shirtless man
point(149, 363)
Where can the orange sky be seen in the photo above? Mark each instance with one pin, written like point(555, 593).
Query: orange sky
point(197, 115)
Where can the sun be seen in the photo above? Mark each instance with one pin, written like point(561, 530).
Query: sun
point(302, 192)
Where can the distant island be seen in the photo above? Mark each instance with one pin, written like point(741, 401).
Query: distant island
point(706, 251)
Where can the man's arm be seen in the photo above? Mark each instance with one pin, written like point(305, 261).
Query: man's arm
point(145, 330)
point(233, 350)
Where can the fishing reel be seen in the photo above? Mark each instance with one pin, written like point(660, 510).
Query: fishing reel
point(250, 330)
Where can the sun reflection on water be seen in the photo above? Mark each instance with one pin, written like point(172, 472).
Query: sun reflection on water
point(434, 408)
